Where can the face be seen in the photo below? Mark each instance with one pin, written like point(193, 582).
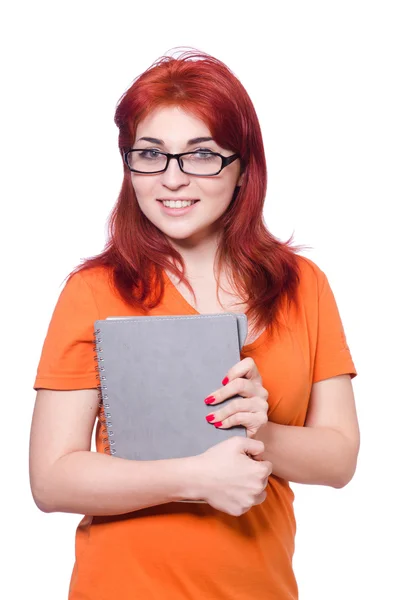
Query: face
point(173, 128)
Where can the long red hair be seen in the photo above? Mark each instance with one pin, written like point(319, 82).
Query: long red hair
point(265, 271)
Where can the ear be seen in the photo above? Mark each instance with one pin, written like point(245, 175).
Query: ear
point(240, 180)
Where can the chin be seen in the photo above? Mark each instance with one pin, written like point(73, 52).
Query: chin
point(180, 235)
point(183, 234)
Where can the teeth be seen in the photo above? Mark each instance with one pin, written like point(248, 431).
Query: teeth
point(177, 203)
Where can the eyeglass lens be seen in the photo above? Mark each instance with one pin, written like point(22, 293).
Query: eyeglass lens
point(196, 163)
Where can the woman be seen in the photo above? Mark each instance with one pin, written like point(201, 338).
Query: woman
point(192, 195)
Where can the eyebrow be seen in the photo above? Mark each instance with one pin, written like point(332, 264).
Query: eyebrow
point(197, 140)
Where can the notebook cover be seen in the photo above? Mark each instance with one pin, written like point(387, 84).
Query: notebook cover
point(154, 375)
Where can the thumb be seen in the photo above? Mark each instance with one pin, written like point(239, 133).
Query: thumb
point(252, 447)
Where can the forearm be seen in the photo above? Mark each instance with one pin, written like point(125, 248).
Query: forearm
point(98, 484)
point(316, 455)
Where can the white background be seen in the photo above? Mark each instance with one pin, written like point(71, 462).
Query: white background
point(321, 76)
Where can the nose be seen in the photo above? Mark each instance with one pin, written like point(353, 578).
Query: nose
point(173, 177)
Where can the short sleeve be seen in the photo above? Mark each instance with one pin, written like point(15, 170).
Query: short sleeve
point(332, 355)
point(67, 359)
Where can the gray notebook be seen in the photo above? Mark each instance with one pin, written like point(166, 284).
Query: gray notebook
point(154, 375)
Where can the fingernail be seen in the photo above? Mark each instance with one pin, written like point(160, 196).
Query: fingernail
point(225, 381)
point(209, 400)
point(218, 424)
point(210, 417)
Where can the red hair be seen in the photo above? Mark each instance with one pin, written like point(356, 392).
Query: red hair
point(265, 270)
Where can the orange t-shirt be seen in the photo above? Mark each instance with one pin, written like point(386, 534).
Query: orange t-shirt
point(177, 551)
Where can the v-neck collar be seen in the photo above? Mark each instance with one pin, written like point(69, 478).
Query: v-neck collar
point(184, 307)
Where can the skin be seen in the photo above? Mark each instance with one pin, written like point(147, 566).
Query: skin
point(194, 235)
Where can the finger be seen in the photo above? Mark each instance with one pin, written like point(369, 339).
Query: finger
point(260, 498)
point(240, 405)
point(250, 447)
point(267, 469)
point(237, 387)
point(248, 420)
point(245, 368)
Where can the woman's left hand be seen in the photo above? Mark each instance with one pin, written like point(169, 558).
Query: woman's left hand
point(251, 410)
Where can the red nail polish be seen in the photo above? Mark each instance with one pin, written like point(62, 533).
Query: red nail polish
point(225, 381)
point(218, 424)
point(209, 400)
point(210, 417)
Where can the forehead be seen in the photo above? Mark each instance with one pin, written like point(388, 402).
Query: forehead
point(171, 123)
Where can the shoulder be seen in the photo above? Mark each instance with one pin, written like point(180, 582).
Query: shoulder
point(95, 280)
point(316, 294)
point(94, 276)
point(312, 282)
point(87, 288)
point(312, 277)
point(98, 286)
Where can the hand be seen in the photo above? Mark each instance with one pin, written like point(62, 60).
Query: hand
point(250, 410)
point(230, 476)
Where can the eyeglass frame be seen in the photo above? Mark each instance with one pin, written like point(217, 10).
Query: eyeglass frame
point(226, 160)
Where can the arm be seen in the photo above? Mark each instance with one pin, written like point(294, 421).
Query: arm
point(67, 477)
point(325, 450)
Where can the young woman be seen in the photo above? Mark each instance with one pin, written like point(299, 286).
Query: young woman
point(187, 236)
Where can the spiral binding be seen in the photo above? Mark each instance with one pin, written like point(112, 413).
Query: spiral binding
point(104, 417)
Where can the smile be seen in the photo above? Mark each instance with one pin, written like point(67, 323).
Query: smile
point(178, 207)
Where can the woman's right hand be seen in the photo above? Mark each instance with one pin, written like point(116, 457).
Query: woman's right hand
point(232, 481)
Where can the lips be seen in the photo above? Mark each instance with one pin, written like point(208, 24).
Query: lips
point(177, 211)
point(176, 200)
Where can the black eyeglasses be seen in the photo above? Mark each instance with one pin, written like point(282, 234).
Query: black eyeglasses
point(202, 163)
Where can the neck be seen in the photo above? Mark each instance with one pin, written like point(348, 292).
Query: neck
point(198, 255)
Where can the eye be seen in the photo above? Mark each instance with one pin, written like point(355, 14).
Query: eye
point(204, 150)
point(204, 155)
point(149, 153)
